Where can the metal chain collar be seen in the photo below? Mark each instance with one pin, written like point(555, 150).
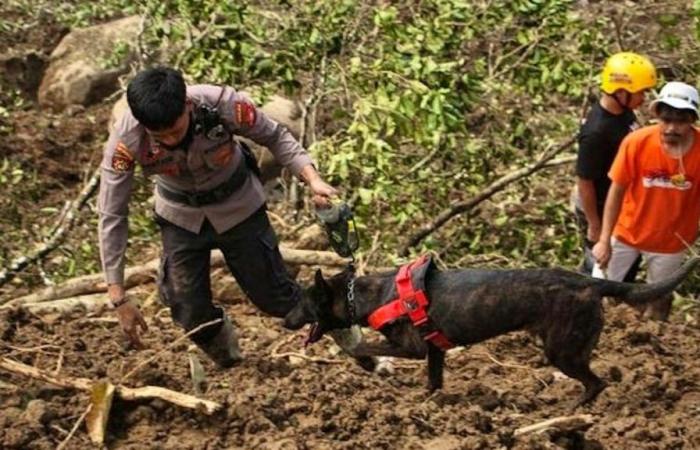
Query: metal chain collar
point(352, 308)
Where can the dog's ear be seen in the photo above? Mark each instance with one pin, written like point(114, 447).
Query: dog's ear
point(322, 287)
point(320, 281)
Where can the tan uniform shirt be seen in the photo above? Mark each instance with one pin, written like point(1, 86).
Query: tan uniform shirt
point(206, 164)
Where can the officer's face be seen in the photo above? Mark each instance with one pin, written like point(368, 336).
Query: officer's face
point(172, 136)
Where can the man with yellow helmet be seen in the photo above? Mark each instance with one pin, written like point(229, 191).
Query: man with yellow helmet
point(625, 79)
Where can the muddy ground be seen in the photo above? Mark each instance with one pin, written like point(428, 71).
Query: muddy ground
point(280, 401)
point(275, 400)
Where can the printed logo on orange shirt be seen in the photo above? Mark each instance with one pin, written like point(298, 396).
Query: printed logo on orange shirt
point(662, 179)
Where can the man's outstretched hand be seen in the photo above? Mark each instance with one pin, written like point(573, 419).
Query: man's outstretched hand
point(132, 323)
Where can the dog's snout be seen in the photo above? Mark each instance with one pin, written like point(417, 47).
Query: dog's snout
point(294, 319)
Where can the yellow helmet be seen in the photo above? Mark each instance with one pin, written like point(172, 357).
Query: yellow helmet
point(628, 71)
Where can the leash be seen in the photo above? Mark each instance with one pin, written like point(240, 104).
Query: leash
point(352, 306)
point(339, 223)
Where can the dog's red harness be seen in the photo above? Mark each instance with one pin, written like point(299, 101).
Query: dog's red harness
point(412, 302)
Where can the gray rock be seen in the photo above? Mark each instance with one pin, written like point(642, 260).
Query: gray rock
point(78, 71)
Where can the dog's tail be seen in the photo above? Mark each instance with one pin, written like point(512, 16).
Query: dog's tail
point(638, 294)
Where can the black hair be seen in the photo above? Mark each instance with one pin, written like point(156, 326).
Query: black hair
point(157, 97)
point(680, 114)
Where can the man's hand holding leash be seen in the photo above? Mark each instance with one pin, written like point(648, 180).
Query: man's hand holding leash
point(321, 191)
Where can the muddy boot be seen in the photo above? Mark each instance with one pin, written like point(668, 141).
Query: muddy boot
point(348, 339)
point(659, 309)
point(223, 348)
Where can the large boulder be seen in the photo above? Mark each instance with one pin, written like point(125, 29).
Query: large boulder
point(85, 66)
point(288, 113)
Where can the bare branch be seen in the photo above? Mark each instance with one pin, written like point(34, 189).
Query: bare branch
point(493, 188)
point(58, 235)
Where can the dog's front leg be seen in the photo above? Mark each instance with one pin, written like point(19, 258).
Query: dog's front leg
point(386, 348)
point(436, 362)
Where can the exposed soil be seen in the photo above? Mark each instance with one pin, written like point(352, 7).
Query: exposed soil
point(282, 402)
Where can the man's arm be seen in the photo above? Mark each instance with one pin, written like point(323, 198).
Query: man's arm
point(116, 182)
point(613, 204)
point(587, 194)
point(250, 122)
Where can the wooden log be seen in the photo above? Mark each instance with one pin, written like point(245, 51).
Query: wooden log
point(580, 422)
point(89, 303)
point(127, 393)
point(88, 284)
point(137, 275)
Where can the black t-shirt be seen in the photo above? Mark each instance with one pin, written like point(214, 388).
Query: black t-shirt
point(598, 141)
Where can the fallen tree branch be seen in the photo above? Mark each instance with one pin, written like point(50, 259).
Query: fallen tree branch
point(137, 275)
point(580, 422)
point(126, 393)
point(89, 303)
point(275, 352)
point(89, 284)
point(58, 235)
point(493, 188)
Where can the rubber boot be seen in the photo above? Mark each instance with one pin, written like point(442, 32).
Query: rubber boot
point(223, 348)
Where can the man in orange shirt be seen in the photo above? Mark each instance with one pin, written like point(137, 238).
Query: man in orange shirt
point(653, 205)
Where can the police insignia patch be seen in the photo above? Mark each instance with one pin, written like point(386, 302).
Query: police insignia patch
point(122, 161)
point(245, 113)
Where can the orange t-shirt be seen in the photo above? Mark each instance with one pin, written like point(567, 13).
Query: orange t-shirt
point(662, 200)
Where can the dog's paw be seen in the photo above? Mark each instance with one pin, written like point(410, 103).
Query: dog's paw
point(369, 363)
point(385, 366)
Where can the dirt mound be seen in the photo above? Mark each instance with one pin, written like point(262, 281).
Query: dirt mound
point(274, 401)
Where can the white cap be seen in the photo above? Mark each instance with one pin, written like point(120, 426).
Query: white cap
point(678, 95)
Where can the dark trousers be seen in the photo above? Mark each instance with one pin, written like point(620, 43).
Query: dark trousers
point(586, 267)
point(252, 255)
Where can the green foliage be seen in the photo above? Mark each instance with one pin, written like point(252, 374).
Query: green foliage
point(76, 13)
point(422, 103)
point(11, 174)
point(120, 51)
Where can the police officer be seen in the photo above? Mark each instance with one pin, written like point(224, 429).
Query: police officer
point(207, 196)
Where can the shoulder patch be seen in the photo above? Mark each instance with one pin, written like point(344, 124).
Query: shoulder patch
point(245, 113)
point(122, 160)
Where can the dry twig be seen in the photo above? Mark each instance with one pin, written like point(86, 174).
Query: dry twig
point(126, 393)
point(581, 422)
point(168, 347)
point(55, 239)
point(275, 353)
point(75, 428)
point(512, 366)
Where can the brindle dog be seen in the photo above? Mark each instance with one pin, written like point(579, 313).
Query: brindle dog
point(470, 305)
